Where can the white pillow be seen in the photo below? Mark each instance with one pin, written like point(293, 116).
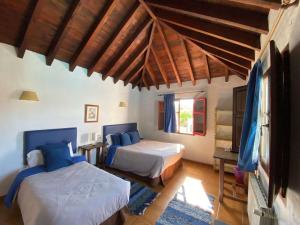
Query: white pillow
point(35, 158)
point(70, 149)
point(108, 139)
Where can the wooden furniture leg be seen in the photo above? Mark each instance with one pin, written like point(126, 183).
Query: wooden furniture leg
point(221, 180)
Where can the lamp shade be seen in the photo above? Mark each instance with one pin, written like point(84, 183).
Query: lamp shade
point(29, 96)
point(122, 104)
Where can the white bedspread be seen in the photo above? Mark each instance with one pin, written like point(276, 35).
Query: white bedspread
point(80, 194)
point(147, 158)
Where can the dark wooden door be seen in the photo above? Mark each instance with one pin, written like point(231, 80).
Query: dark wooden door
point(239, 105)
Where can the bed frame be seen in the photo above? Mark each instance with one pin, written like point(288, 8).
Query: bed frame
point(127, 127)
point(36, 138)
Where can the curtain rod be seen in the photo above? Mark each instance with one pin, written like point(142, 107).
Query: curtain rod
point(182, 92)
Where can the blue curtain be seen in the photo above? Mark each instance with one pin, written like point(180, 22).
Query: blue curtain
point(170, 114)
point(250, 138)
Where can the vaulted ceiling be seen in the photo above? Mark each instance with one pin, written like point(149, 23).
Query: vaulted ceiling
point(146, 43)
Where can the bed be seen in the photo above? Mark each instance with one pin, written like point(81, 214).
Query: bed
point(77, 194)
point(152, 161)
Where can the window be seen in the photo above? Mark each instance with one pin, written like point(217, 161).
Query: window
point(184, 115)
point(190, 116)
point(265, 135)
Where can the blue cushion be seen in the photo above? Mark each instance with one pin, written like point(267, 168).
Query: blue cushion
point(115, 139)
point(134, 137)
point(125, 139)
point(56, 156)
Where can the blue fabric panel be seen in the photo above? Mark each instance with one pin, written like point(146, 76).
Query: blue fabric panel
point(116, 139)
point(56, 156)
point(125, 139)
point(37, 138)
point(9, 197)
point(111, 154)
point(118, 128)
point(134, 136)
point(170, 114)
point(250, 137)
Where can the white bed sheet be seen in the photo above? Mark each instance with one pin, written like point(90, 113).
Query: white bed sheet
point(80, 194)
point(147, 158)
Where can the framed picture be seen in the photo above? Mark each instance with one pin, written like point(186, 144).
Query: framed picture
point(91, 113)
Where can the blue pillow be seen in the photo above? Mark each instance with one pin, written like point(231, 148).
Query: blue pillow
point(56, 156)
point(125, 139)
point(115, 139)
point(134, 137)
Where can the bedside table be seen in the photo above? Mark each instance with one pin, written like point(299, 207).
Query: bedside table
point(88, 148)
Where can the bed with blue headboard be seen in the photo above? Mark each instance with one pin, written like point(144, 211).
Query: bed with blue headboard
point(46, 195)
point(153, 161)
point(36, 138)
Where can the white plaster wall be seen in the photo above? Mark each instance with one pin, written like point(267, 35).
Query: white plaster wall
point(62, 97)
point(288, 34)
point(198, 148)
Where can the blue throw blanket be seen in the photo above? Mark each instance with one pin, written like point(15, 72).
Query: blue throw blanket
point(111, 154)
point(8, 200)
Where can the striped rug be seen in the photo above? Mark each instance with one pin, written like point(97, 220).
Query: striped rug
point(179, 213)
point(140, 198)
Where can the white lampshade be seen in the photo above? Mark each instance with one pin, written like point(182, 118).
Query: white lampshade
point(29, 96)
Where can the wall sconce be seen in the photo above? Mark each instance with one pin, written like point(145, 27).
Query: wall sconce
point(122, 104)
point(29, 96)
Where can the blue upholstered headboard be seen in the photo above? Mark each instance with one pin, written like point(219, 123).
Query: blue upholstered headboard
point(34, 139)
point(118, 128)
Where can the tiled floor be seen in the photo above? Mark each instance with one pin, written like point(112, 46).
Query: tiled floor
point(196, 178)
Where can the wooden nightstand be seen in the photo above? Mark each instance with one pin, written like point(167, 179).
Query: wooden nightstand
point(88, 148)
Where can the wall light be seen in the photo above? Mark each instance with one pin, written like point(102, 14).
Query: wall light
point(29, 96)
point(122, 104)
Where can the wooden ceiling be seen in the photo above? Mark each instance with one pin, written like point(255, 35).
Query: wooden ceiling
point(146, 43)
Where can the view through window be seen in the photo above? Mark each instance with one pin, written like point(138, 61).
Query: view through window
point(265, 111)
point(184, 115)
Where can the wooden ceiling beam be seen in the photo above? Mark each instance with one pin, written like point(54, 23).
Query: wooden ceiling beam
point(134, 73)
point(241, 18)
point(62, 31)
point(33, 15)
point(207, 69)
point(161, 69)
point(108, 68)
point(136, 53)
point(229, 57)
point(117, 32)
point(137, 80)
point(145, 82)
point(97, 26)
point(148, 51)
point(169, 53)
point(152, 75)
point(134, 60)
point(234, 67)
point(267, 4)
point(240, 70)
point(188, 61)
point(226, 74)
point(237, 50)
point(233, 35)
point(147, 8)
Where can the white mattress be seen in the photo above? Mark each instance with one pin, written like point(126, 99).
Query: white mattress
point(80, 194)
point(147, 158)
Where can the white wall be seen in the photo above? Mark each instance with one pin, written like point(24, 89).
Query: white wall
point(62, 97)
point(198, 148)
point(288, 33)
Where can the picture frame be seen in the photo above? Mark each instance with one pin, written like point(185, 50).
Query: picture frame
point(91, 113)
